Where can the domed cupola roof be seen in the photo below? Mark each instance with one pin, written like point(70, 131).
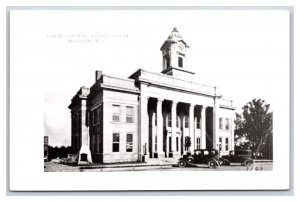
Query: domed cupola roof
point(175, 35)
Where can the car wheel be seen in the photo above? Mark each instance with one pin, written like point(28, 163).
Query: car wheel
point(212, 163)
point(248, 162)
point(182, 164)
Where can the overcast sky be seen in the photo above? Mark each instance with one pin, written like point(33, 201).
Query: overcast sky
point(244, 53)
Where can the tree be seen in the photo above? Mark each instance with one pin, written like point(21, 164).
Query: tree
point(60, 152)
point(254, 128)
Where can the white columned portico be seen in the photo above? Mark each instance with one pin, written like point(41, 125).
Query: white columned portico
point(203, 127)
point(159, 129)
point(174, 129)
point(191, 127)
point(144, 129)
point(216, 125)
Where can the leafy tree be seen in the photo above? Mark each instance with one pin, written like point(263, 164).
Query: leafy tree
point(60, 152)
point(254, 128)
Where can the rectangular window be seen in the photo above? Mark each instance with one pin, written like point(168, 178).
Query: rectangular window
point(180, 62)
point(116, 142)
point(198, 143)
point(169, 120)
point(220, 144)
point(129, 114)
point(227, 144)
point(177, 143)
point(186, 122)
point(227, 124)
point(198, 122)
point(129, 142)
point(116, 116)
point(177, 121)
point(220, 123)
point(170, 144)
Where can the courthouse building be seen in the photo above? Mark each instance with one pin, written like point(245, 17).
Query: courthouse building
point(150, 114)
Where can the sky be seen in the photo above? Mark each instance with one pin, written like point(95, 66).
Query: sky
point(244, 53)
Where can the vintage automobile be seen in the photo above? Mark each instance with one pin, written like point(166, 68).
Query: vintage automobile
point(237, 156)
point(202, 156)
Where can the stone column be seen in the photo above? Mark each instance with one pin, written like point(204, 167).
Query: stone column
point(159, 129)
point(153, 132)
point(192, 129)
point(174, 129)
point(144, 129)
point(168, 146)
point(203, 127)
point(216, 125)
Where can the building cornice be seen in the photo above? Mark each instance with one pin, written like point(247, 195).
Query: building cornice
point(175, 88)
point(227, 107)
point(119, 89)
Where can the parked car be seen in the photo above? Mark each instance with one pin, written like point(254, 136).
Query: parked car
point(202, 156)
point(237, 156)
point(70, 159)
point(57, 160)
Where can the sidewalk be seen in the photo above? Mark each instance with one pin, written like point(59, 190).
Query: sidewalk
point(163, 163)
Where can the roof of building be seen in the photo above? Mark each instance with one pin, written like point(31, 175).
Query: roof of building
point(174, 36)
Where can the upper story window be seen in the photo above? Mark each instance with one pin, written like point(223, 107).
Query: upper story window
point(220, 123)
point(116, 113)
point(169, 119)
point(180, 62)
point(227, 124)
point(198, 123)
point(129, 114)
point(186, 122)
point(178, 121)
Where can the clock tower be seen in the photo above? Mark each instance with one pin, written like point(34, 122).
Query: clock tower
point(174, 52)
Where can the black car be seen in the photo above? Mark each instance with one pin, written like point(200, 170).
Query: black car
point(237, 156)
point(202, 156)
